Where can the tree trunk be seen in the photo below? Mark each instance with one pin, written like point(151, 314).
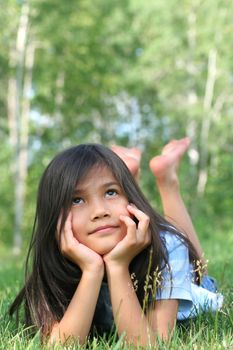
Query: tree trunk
point(21, 61)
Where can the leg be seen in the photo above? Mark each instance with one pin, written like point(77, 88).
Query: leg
point(164, 168)
point(131, 157)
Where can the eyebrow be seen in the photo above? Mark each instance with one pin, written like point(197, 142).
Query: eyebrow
point(104, 185)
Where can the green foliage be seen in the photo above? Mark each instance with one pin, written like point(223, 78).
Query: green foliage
point(128, 72)
point(6, 194)
point(135, 73)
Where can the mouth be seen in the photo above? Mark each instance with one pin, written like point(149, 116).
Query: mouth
point(104, 229)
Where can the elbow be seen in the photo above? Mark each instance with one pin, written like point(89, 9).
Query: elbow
point(62, 337)
point(150, 338)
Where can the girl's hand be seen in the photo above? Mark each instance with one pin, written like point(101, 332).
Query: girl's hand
point(78, 253)
point(137, 238)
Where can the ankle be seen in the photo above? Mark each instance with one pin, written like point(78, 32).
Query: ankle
point(168, 185)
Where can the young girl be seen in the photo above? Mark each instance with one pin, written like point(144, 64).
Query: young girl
point(102, 255)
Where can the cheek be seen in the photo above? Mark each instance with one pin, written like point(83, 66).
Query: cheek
point(77, 228)
point(124, 211)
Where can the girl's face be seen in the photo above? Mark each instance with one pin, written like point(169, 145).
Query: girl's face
point(97, 205)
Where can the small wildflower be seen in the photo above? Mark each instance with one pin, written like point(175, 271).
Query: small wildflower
point(134, 281)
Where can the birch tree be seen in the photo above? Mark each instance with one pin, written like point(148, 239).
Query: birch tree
point(19, 88)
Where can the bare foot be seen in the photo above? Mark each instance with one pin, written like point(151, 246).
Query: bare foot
point(165, 166)
point(131, 157)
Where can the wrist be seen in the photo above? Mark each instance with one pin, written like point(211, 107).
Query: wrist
point(94, 273)
point(115, 268)
point(94, 270)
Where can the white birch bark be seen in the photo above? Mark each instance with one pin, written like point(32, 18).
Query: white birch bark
point(18, 110)
point(23, 147)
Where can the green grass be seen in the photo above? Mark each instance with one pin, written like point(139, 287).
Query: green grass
point(208, 332)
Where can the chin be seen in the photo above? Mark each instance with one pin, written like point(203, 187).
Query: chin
point(104, 249)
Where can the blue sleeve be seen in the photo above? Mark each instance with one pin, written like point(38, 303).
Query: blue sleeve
point(176, 281)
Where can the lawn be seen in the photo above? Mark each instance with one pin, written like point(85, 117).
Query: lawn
point(208, 332)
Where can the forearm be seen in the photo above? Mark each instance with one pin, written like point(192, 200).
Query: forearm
point(77, 319)
point(127, 311)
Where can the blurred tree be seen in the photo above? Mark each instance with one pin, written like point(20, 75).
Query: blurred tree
point(131, 72)
point(83, 53)
point(185, 69)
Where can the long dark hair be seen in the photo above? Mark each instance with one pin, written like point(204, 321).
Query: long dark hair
point(51, 279)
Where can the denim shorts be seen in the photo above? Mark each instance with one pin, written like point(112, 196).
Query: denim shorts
point(209, 283)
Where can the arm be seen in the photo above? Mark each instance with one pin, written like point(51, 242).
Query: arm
point(139, 329)
point(162, 316)
point(77, 319)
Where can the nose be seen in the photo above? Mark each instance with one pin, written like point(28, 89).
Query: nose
point(99, 210)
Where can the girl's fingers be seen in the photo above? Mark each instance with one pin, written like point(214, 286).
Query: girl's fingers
point(143, 232)
point(57, 233)
point(143, 219)
point(68, 223)
point(131, 227)
point(137, 233)
point(59, 223)
point(67, 234)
